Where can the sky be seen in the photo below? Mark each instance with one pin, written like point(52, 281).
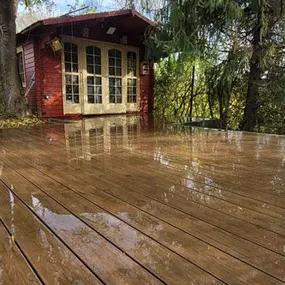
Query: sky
point(62, 5)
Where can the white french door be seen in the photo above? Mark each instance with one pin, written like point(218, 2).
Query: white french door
point(99, 78)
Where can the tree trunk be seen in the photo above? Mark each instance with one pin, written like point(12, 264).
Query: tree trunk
point(251, 107)
point(210, 104)
point(11, 93)
point(192, 94)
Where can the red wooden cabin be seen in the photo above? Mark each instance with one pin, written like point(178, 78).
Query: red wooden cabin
point(87, 65)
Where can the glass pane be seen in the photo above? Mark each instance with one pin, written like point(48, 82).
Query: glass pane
point(75, 79)
point(118, 71)
point(89, 59)
point(91, 99)
point(134, 99)
point(134, 82)
point(67, 56)
point(74, 58)
point(98, 81)
point(118, 81)
point(112, 81)
point(90, 80)
point(69, 98)
point(76, 99)
point(112, 90)
point(111, 61)
point(90, 69)
point(76, 89)
point(111, 52)
point(69, 89)
point(134, 90)
point(97, 69)
point(75, 67)
point(98, 60)
point(118, 53)
point(97, 51)
point(68, 79)
point(74, 48)
point(98, 99)
point(130, 90)
point(118, 62)
point(112, 99)
point(111, 71)
point(67, 67)
point(90, 89)
point(118, 90)
point(98, 90)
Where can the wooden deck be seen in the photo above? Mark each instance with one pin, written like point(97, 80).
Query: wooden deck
point(117, 201)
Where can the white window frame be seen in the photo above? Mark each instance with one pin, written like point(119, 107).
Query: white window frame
point(106, 107)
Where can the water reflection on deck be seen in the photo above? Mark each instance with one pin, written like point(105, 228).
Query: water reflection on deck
point(128, 200)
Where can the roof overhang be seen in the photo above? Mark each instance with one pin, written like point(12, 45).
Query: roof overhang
point(98, 17)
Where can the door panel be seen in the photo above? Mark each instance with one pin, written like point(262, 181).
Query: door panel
point(93, 81)
point(72, 81)
point(99, 78)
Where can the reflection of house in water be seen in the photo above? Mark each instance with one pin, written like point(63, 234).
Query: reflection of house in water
point(90, 137)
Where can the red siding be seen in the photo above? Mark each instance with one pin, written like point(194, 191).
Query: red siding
point(29, 59)
point(49, 83)
point(52, 84)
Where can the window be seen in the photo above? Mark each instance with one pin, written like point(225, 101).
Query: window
point(116, 135)
point(94, 78)
point(71, 73)
point(115, 76)
point(21, 66)
point(132, 77)
point(96, 140)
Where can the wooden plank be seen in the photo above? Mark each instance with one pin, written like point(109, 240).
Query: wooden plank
point(196, 181)
point(261, 197)
point(158, 259)
point(95, 252)
point(257, 192)
point(200, 191)
point(119, 176)
point(72, 183)
point(237, 247)
point(54, 263)
point(14, 269)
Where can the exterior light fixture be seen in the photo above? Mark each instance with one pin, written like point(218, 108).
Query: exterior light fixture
point(56, 44)
point(111, 31)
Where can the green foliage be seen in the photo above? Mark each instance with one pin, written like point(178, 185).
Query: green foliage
point(238, 50)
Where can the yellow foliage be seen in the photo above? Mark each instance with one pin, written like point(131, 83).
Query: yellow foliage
point(26, 121)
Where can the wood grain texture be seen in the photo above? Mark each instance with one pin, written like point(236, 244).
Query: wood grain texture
point(150, 207)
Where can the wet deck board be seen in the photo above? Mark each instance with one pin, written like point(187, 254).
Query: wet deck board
point(14, 269)
point(143, 213)
point(54, 262)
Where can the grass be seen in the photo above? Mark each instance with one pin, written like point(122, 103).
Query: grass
point(23, 122)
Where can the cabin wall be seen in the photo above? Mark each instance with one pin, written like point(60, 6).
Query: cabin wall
point(52, 84)
point(48, 82)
